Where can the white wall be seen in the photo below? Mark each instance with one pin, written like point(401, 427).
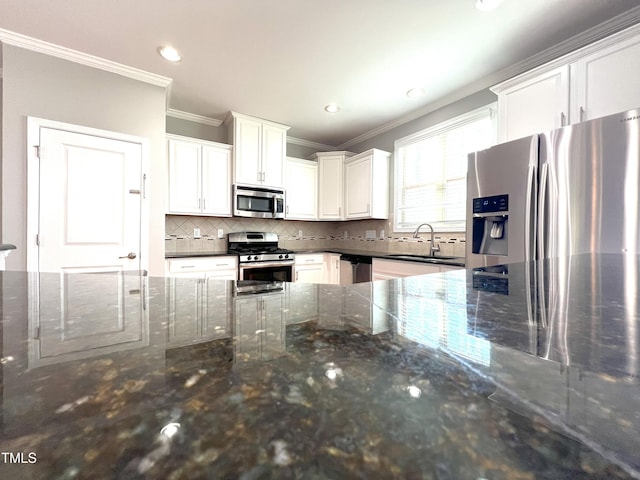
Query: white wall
point(42, 86)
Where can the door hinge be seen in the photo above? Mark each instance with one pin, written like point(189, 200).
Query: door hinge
point(38, 239)
point(37, 150)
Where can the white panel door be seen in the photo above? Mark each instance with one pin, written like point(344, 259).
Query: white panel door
point(274, 146)
point(184, 177)
point(357, 188)
point(90, 203)
point(608, 81)
point(247, 151)
point(70, 328)
point(216, 181)
point(537, 105)
point(301, 189)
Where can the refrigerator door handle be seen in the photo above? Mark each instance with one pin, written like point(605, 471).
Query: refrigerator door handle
point(529, 208)
point(542, 212)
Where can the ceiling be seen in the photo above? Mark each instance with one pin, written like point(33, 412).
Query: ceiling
point(284, 60)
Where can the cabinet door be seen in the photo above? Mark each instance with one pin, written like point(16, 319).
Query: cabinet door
point(301, 189)
point(247, 151)
point(216, 181)
point(538, 104)
point(313, 273)
point(607, 81)
point(332, 268)
point(183, 310)
point(357, 176)
point(330, 187)
point(184, 177)
point(216, 311)
point(273, 338)
point(274, 147)
point(248, 328)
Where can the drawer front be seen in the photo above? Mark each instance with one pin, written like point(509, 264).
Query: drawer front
point(201, 264)
point(309, 259)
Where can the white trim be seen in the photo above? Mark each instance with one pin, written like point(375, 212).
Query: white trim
point(557, 57)
point(192, 117)
point(310, 144)
point(34, 125)
point(448, 125)
point(435, 130)
point(40, 46)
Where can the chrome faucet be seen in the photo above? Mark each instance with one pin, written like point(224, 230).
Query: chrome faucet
point(434, 248)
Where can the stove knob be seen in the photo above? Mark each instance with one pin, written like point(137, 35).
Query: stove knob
point(280, 257)
point(286, 255)
point(249, 258)
point(255, 257)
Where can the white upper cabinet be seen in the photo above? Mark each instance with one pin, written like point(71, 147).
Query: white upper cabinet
point(259, 151)
point(607, 80)
point(199, 177)
point(366, 185)
point(301, 189)
point(331, 184)
point(537, 104)
point(597, 80)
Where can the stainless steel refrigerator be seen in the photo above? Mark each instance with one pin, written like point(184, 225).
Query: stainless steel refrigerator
point(569, 191)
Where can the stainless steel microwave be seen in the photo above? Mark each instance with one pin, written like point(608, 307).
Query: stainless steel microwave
point(258, 202)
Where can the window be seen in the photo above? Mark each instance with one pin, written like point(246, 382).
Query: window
point(431, 171)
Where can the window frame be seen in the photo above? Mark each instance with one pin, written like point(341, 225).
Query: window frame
point(430, 132)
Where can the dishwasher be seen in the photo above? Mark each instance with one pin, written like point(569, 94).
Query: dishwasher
point(354, 268)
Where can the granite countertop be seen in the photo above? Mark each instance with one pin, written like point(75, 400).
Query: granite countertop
point(525, 372)
point(7, 246)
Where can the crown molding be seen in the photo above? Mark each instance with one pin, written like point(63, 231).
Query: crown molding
point(310, 144)
point(40, 46)
point(192, 117)
point(626, 20)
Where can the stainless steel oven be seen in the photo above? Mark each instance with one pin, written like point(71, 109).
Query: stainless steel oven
point(258, 202)
point(259, 257)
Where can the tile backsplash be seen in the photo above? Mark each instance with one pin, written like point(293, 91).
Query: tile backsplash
point(373, 235)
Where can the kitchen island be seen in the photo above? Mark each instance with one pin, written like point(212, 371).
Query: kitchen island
point(520, 372)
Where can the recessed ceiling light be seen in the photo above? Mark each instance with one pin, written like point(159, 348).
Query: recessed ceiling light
point(487, 4)
point(170, 54)
point(415, 92)
point(332, 108)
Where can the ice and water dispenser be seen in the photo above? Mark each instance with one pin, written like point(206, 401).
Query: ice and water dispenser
point(490, 225)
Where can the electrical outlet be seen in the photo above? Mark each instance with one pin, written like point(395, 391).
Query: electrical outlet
point(346, 234)
point(220, 233)
point(196, 233)
point(370, 234)
point(300, 233)
point(381, 234)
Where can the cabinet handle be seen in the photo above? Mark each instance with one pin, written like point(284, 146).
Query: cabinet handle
point(204, 203)
point(144, 186)
point(581, 113)
point(297, 276)
point(264, 176)
point(368, 208)
point(188, 266)
point(287, 209)
point(562, 118)
point(259, 176)
point(199, 203)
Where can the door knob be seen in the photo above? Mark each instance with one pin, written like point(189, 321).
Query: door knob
point(130, 256)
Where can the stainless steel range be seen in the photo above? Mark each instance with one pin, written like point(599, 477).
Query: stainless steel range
point(259, 257)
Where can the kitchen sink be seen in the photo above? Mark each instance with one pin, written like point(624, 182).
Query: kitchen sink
point(428, 258)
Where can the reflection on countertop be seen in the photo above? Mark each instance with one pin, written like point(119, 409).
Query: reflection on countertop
point(529, 371)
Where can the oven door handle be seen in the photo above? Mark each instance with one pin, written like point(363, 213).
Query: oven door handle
point(247, 266)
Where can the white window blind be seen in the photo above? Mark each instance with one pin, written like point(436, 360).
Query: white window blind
point(431, 171)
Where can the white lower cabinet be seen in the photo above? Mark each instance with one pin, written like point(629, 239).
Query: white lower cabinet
point(383, 269)
point(332, 268)
point(309, 268)
point(259, 326)
point(198, 310)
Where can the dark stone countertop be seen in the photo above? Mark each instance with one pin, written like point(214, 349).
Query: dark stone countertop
point(529, 372)
point(7, 246)
point(452, 261)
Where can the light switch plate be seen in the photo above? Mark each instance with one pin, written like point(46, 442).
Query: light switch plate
point(299, 233)
point(196, 233)
point(381, 234)
point(220, 233)
point(370, 234)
